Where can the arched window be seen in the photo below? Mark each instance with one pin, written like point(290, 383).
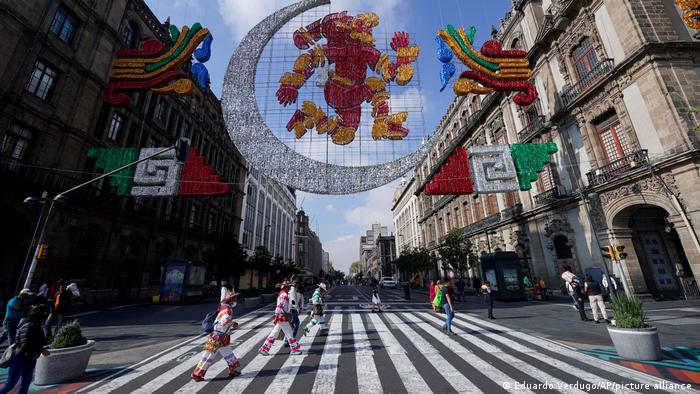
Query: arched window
point(515, 44)
point(129, 34)
point(584, 58)
point(474, 105)
point(612, 139)
point(562, 248)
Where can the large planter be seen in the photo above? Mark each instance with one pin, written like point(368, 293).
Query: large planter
point(63, 365)
point(636, 343)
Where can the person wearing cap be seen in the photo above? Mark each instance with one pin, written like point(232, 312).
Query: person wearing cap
point(17, 310)
point(281, 320)
point(219, 341)
point(317, 302)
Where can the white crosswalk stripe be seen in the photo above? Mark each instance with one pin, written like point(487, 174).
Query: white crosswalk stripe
point(405, 336)
point(367, 375)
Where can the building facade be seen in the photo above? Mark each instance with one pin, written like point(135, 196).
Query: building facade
point(309, 251)
point(368, 243)
point(269, 211)
point(618, 86)
point(56, 60)
point(405, 212)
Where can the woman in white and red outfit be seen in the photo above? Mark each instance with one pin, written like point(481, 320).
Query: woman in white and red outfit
point(282, 318)
point(219, 340)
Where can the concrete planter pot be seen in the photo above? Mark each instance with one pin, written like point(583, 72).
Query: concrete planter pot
point(63, 365)
point(636, 343)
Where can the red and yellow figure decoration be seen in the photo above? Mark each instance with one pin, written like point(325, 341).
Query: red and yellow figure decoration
point(691, 12)
point(154, 68)
point(491, 69)
point(350, 49)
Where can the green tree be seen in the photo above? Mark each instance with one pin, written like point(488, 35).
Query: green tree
point(457, 253)
point(355, 268)
point(413, 261)
point(261, 259)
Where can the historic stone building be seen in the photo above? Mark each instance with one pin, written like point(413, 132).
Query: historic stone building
point(405, 212)
point(618, 86)
point(309, 251)
point(56, 59)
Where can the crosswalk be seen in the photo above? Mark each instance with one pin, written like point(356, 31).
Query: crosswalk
point(402, 350)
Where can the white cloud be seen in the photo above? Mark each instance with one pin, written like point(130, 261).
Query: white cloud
point(376, 209)
point(343, 251)
point(331, 208)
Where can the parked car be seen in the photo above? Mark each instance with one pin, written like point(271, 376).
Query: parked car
point(388, 281)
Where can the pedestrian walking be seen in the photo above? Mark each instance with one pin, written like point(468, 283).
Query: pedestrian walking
point(448, 306)
point(376, 301)
point(488, 297)
point(476, 284)
point(460, 290)
point(296, 299)
point(543, 287)
point(30, 344)
point(317, 311)
point(61, 307)
point(226, 290)
point(219, 341)
point(431, 293)
point(594, 291)
point(437, 300)
point(281, 320)
point(575, 291)
point(529, 290)
point(406, 290)
point(17, 309)
point(42, 296)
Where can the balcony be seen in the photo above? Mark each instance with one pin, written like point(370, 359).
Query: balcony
point(532, 129)
point(599, 72)
point(511, 212)
point(431, 244)
point(478, 226)
point(550, 196)
point(618, 167)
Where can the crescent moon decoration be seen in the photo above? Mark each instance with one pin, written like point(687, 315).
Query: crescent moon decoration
point(265, 152)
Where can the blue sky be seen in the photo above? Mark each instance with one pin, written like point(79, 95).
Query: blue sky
point(340, 220)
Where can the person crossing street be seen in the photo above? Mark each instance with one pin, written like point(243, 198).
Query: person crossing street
point(296, 300)
point(219, 340)
point(281, 320)
point(317, 312)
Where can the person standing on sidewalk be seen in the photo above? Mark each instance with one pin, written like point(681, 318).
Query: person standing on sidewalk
point(317, 312)
point(61, 307)
point(17, 310)
point(448, 306)
point(431, 293)
point(219, 341)
point(595, 298)
point(281, 320)
point(406, 290)
point(488, 297)
point(30, 344)
point(575, 290)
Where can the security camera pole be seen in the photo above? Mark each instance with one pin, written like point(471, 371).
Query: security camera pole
point(181, 147)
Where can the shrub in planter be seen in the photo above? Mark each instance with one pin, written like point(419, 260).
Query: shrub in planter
point(632, 336)
point(69, 356)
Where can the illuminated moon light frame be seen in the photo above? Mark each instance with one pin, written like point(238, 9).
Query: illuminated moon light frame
point(265, 152)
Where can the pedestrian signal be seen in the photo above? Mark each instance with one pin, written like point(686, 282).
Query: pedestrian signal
point(608, 252)
point(620, 252)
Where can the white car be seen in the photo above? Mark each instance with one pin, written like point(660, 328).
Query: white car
point(387, 281)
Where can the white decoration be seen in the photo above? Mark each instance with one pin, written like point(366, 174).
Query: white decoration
point(492, 169)
point(157, 177)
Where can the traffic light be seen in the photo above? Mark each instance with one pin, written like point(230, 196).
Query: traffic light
point(608, 252)
point(182, 147)
point(42, 252)
point(620, 252)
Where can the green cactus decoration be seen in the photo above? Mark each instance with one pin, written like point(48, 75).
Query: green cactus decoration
point(109, 159)
point(530, 160)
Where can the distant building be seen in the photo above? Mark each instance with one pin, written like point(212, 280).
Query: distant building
point(268, 216)
point(326, 264)
point(405, 211)
point(309, 253)
point(368, 243)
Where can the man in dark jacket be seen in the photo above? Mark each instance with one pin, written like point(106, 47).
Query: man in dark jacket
point(17, 309)
point(30, 343)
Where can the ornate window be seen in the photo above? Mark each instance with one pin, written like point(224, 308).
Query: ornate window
point(15, 144)
point(129, 34)
point(42, 80)
point(547, 181)
point(115, 126)
point(584, 58)
point(515, 44)
point(474, 105)
point(64, 25)
point(612, 139)
point(492, 204)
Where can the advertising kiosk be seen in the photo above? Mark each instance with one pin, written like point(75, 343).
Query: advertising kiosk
point(503, 271)
point(182, 281)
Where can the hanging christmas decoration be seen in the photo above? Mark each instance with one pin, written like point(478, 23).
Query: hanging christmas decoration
point(200, 179)
point(490, 169)
point(159, 176)
point(109, 159)
point(691, 12)
point(491, 69)
point(454, 177)
point(350, 47)
point(529, 160)
point(153, 68)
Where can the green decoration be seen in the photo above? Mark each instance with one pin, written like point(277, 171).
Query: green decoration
point(467, 49)
point(185, 42)
point(529, 160)
point(109, 159)
point(174, 33)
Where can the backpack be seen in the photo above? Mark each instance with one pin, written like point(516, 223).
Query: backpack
point(437, 301)
point(208, 322)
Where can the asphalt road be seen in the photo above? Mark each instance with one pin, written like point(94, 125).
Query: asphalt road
point(399, 350)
